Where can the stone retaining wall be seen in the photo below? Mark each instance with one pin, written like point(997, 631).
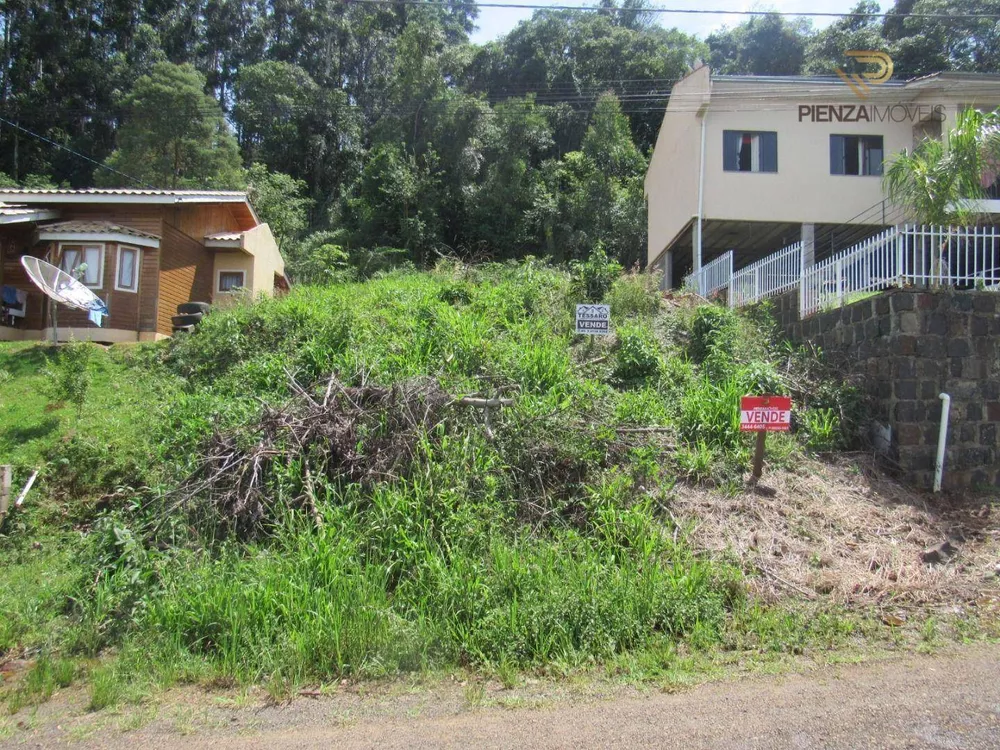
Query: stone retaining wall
point(911, 346)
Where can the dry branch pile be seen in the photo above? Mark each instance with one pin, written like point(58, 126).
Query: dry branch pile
point(360, 434)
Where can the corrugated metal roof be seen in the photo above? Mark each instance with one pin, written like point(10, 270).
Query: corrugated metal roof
point(6, 210)
point(239, 204)
point(125, 191)
point(94, 227)
point(808, 80)
point(224, 237)
point(15, 214)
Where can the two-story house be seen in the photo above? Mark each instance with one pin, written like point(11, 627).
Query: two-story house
point(143, 252)
point(756, 163)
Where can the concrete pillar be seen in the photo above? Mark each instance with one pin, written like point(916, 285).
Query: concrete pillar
point(696, 246)
point(808, 246)
point(667, 269)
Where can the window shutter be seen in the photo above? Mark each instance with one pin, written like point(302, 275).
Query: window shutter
point(731, 150)
point(769, 152)
point(836, 154)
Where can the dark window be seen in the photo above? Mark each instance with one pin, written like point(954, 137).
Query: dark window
point(856, 154)
point(230, 280)
point(749, 151)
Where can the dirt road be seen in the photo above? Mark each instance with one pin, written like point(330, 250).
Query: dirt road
point(948, 701)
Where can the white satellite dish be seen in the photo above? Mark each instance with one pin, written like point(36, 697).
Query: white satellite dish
point(62, 287)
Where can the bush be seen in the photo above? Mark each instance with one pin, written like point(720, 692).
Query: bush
point(67, 379)
point(714, 330)
point(637, 356)
point(592, 279)
point(635, 294)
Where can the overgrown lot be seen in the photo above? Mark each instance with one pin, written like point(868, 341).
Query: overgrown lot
point(307, 489)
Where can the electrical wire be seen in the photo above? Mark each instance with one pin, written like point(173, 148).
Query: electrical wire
point(681, 11)
point(76, 153)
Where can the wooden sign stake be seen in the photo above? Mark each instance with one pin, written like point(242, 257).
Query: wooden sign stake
point(758, 456)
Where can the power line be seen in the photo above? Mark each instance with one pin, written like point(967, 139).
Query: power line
point(102, 165)
point(681, 11)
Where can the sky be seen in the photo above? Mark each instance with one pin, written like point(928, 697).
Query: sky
point(495, 22)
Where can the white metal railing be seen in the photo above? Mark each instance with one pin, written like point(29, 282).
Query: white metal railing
point(865, 267)
point(949, 256)
point(767, 277)
point(713, 276)
point(908, 255)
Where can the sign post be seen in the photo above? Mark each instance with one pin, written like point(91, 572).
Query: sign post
point(763, 414)
point(593, 320)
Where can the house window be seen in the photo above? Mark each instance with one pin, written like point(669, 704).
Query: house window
point(746, 151)
point(84, 262)
point(231, 280)
point(127, 275)
point(856, 154)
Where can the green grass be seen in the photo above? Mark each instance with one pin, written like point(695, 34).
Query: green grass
point(545, 543)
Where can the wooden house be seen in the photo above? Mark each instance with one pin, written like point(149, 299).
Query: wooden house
point(143, 252)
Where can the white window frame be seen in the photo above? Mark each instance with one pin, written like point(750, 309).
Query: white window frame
point(84, 246)
point(136, 268)
point(218, 279)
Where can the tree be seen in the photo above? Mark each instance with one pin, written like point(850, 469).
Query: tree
point(174, 135)
point(859, 31)
point(764, 45)
point(279, 201)
point(937, 181)
point(944, 35)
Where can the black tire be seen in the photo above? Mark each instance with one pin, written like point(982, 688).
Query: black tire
point(192, 319)
point(190, 308)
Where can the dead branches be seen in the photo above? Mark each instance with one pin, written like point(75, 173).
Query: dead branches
point(359, 434)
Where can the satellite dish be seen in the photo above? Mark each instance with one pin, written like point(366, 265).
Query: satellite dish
point(62, 287)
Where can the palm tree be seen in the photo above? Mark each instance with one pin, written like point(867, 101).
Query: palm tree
point(941, 183)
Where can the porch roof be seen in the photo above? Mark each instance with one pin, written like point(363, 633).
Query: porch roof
point(97, 231)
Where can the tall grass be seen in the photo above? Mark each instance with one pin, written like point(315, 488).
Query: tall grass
point(547, 538)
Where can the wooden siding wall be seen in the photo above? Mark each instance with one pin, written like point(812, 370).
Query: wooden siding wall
point(196, 220)
point(123, 307)
point(15, 241)
point(144, 218)
point(185, 274)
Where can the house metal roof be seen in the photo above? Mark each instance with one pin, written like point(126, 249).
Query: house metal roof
point(797, 80)
point(945, 76)
point(237, 200)
point(94, 227)
point(21, 214)
point(224, 237)
point(206, 194)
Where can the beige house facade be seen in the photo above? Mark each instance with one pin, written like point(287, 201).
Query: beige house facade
point(753, 164)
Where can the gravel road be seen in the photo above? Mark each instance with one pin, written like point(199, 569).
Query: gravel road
point(942, 701)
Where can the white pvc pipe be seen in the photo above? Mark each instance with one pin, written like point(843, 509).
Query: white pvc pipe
point(701, 196)
point(942, 440)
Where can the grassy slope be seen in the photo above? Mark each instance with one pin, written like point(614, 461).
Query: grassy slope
point(550, 546)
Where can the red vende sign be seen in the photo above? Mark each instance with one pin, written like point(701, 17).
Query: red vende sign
point(765, 413)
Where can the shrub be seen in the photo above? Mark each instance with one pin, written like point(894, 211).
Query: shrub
point(821, 428)
point(637, 356)
point(592, 278)
point(634, 294)
point(67, 378)
point(714, 330)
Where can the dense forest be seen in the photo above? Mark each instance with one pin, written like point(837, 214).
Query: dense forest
point(374, 132)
